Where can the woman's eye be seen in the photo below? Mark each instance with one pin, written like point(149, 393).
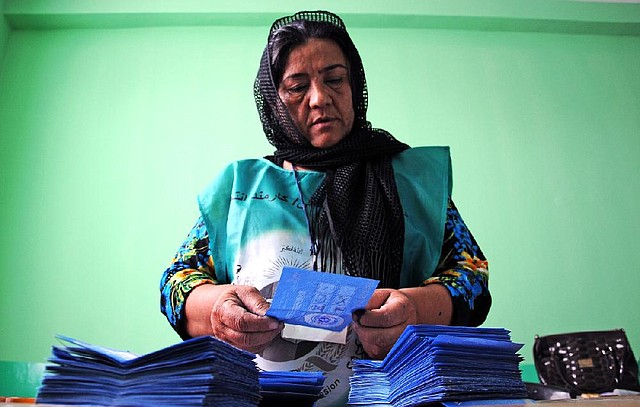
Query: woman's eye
point(336, 81)
point(297, 89)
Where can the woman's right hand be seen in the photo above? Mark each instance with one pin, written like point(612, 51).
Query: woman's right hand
point(238, 317)
point(232, 313)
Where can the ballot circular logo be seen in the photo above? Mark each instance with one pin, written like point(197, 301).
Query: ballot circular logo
point(323, 320)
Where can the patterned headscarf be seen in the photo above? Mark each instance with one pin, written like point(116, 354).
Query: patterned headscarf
point(357, 209)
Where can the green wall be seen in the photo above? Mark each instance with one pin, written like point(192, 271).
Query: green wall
point(109, 127)
point(4, 33)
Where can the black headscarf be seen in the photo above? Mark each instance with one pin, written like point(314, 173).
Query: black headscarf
point(357, 208)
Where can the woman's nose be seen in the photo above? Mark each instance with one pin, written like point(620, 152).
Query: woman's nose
point(318, 96)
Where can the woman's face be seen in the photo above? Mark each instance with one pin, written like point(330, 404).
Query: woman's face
point(315, 88)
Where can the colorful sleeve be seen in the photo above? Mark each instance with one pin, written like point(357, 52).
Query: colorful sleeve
point(463, 269)
point(191, 267)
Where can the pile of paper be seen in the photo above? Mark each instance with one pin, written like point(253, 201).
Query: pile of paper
point(202, 371)
point(290, 388)
point(432, 363)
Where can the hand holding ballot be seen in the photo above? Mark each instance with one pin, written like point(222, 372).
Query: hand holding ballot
point(237, 316)
point(386, 316)
point(390, 311)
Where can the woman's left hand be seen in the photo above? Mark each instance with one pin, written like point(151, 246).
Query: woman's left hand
point(386, 316)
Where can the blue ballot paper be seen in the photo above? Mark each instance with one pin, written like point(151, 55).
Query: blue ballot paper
point(438, 364)
point(319, 300)
point(202, 371)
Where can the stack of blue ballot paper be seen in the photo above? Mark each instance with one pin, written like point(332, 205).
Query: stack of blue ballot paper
point(202, 371)
point(434, 363)
point(299, 389)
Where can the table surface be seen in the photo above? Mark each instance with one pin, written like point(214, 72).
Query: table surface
point(615, 401)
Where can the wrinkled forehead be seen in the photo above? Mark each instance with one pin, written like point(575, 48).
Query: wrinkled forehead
point(317, 56)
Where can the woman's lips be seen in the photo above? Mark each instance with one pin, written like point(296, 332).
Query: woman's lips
point(322, 121)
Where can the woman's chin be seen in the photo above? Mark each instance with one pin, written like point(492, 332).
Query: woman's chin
point(325, 140)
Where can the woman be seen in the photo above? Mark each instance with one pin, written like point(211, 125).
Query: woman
point(337, 196)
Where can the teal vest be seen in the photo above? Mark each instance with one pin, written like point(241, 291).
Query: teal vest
point(256, 224)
